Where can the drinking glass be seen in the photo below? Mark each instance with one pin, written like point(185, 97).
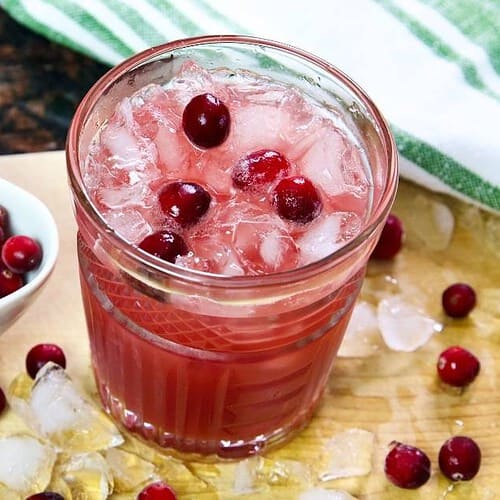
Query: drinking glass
point(207, 364)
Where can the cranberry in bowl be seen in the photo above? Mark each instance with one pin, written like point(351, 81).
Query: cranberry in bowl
point(29, 245)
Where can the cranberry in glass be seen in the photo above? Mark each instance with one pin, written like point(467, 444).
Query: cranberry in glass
point(165, 245)
point(9, 281)
point(297, 199)
point(185, 202)
point(21, 253)
point(391, 239)
point(257, 168)
point(460, 458)
point(3, 401)
point(46, 495)
point(157, 491)
point(206, 121)
point(41, 354)
point(457, 366)
point(458, 300)
point(407, 466)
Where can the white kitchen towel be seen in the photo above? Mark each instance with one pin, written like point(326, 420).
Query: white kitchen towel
point(432, 66)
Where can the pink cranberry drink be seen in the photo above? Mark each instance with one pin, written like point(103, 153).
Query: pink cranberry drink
point(228, 193)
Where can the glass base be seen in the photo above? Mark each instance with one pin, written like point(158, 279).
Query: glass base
point(202, 450)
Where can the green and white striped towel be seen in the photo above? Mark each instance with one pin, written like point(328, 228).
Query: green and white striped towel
point(432, 66)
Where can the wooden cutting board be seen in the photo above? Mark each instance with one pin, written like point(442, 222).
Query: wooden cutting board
point(395, 396)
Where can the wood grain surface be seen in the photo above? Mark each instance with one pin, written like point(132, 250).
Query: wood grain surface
point(394, 395)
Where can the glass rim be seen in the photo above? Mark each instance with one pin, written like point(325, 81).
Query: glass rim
point(379, 213)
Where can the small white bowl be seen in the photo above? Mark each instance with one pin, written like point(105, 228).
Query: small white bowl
point(30, 217)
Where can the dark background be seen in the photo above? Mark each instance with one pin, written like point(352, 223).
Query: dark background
point(41, 84)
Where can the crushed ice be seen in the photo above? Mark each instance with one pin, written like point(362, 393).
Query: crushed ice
point(403, 326)
point(350, 454)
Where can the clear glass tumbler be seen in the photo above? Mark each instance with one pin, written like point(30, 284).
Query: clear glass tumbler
point(207, 364)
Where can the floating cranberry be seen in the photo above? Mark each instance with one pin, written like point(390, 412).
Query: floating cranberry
point(260, 167)
point(3, 401)
point(41, 354)
point(457, 366)
point(391, 239)
point(458, 300)
point(157, 491)
point(206, 121)
point(296, 199)
point(165, 245)
point(460, 458)
point(21, 254)
point(9, 281)
point(46, 495)
point(185, 202)
point(407, 466)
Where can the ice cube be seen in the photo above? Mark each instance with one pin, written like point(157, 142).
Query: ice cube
point(211, 251)
point(350, 454)
point(271, 116)
point(353, 172)
point(257, 126)
point(245, 474)
point(324, 494)
point(150, 110)
point(122, 145)
point(129, 471)
point(320, 239)
point(362, 337)
point(403, 326)
point(131, 224)
point(25, 464)
point(262, 242)
point(57, 411)
point(285, 472)
point(322, 162)
point(191, 80)
point(87, 475)
point(429, 223)
point(173, 150)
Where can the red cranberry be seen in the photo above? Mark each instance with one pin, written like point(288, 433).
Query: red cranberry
point(165, 245)
point(296, 199)
point(9, 281)
point(46, 495)
point(391, 239)
point(458, 367)
point(157, 491)
point(206, 121)
point(407, 466)
point(185, 202)
point(460, 458)
point(260, 167)
point(3, 401)
point(458, 300)
point(21, 254)
point(41, 354)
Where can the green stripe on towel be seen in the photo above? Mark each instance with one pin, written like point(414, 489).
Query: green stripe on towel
point(446, 169)
point(177, 17)
point(136, 22)
point(24, 17)
point(92, 25)
point(480, 21)
point(440, 47)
